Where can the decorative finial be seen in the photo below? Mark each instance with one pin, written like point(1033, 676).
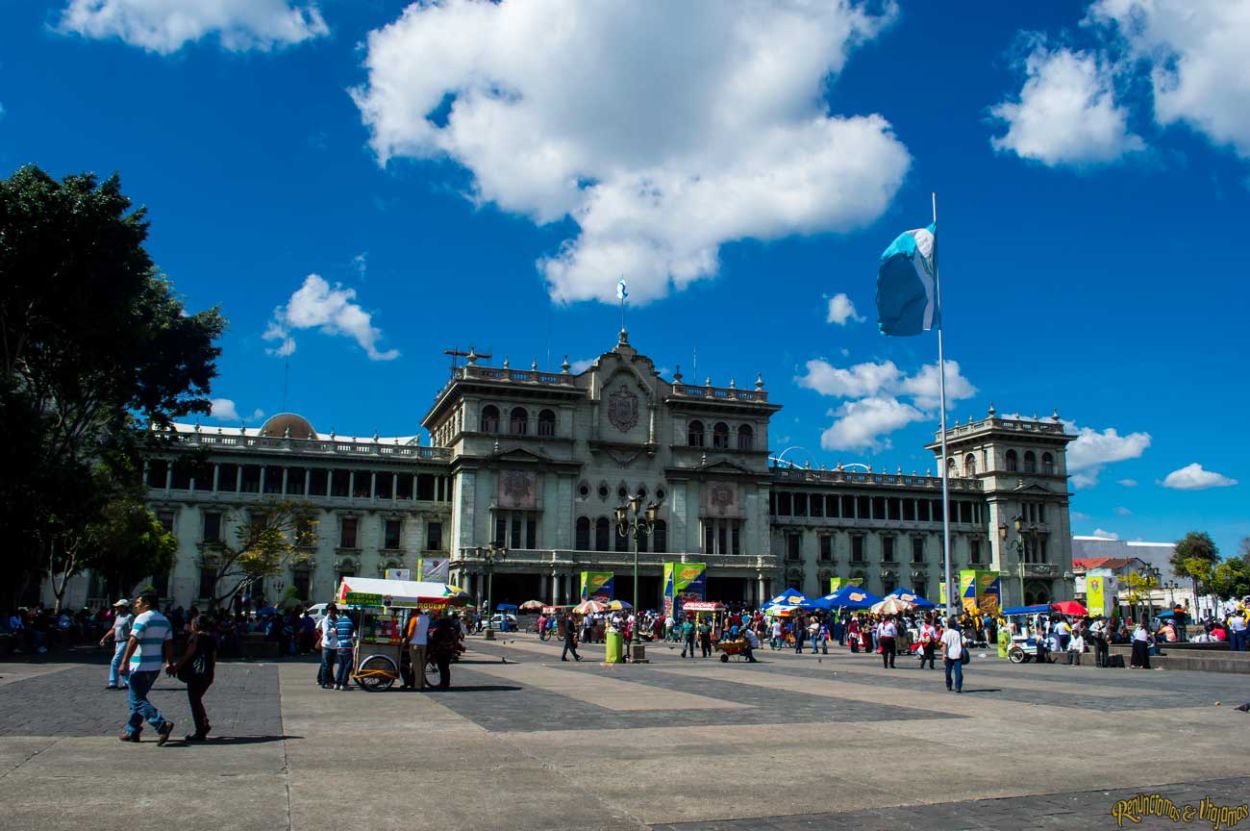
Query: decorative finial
point(1035, 415)
point(286, 432)
point(839, 467)
point(197, 425)
point(900, 470)
point(375, 436)
point(733, 385)
point(993, 412)
point(759, 380)
point(471, 358)
point(506, 365)
point(243, 429)
point(219, 431)
point(707, 382)
point(533, 366)
point(332, 434)
point(564, 367)
point(677, 375)
point(623, 338)
point(869, 468)
point(1054, 415)
point(496, 449)
point(807, 465)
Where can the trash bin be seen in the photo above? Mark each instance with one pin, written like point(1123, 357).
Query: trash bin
point(614, 641)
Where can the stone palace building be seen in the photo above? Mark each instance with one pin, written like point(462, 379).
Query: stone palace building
point(526, 468)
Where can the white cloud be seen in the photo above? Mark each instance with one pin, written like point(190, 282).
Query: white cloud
point(1128, 483)
point(1105, 535)
point(863, 424)
point(1078, 516)
point(841, 309)
point(663, 130)
point(316, 305)
point(1066, 113)
point(1122, 511)
point(877, 411)
point(580, 366)
point(165, 26)
point(1194, 478)
point(1092, 449)
point(1196, 56)
point(223, 409)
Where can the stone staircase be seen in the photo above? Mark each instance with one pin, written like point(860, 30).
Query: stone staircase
point(1199, 657)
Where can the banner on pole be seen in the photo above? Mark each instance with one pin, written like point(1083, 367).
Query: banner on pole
point(683, 581)
point(836, 583)
point(979, 591)
point(597, 585)
point(434, 569)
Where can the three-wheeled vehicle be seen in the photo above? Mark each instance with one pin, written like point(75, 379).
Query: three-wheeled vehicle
point(380, 610)
point(1023, 647)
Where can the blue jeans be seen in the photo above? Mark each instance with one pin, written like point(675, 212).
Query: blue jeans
point(114, 679)
point(957, 666)
point(1237, 640)
point(326, 674)
point(345, 668)
point(140, 708)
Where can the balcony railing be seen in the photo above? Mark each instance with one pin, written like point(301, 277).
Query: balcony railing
point(335, 445)
point(536, 557)
point(721, 393)
point(847, 477)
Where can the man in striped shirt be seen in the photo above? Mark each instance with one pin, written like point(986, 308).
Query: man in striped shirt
point(150, 646)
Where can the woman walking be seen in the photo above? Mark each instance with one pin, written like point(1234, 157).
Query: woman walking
point(1141, 647)
point(196, 669)
point(887, 631)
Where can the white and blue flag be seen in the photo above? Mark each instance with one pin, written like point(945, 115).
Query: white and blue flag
point(907, 297)
point(621, 294)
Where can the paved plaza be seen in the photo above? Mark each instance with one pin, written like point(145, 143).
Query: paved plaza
point(523, 741)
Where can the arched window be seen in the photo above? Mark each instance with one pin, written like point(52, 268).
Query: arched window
point(583, 534)
point(1048, 464)
point(602, 530)
point(659, 536)
point(720, 436)
point(970, 465)
point(746, 437)
point(546, 423)
point(519, 422)
point(1012, 463)
point(888, 583)
point(694, 436)
point(1030, 462)
point(490, 419)
point(951, 470)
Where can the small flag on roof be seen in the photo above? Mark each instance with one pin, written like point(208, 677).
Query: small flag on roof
point(621, 293)
point(907, 296)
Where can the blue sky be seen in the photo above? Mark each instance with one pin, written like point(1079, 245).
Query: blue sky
point(481, 174)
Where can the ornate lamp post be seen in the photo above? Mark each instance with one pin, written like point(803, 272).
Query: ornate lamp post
point(1151, 573)
point(1018, 546)
point(631, 520)
point(489, 555)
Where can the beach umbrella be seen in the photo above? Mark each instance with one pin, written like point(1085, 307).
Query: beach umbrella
point(852, 597)
point(891, 606)
point(530, 605)
point(789, 597)
point(1070, 607)
point(618, 606)
point(588, 607)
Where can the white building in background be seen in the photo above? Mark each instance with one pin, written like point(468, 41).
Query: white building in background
point(1139, 557)
point(536, 462)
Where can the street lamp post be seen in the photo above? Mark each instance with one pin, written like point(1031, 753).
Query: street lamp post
point(632, 519)
point(1151, 573)
point(488, 555)
point(1018, 545)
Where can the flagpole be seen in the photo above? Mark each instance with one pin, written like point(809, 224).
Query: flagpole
point(946, 501)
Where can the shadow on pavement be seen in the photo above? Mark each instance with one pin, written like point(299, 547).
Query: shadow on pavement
point(233, 740)
point(477, 688)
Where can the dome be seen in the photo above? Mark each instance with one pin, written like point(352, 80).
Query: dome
point(288, 425)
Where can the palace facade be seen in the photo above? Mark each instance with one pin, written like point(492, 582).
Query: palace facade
point(525, 470)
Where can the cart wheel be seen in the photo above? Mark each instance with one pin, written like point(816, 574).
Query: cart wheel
point(1016, 655)
point(376, 673)
point(724, 658)
point(433, 675)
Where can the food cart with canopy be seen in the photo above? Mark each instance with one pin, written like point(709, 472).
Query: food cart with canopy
point(380, 610)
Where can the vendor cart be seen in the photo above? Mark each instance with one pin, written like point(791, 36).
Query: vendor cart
point(380, 610)
point(732, 649)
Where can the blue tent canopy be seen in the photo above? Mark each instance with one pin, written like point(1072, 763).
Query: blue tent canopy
point(913, 598)
point(789, 597)
point(1038, 609)
point(850, 597)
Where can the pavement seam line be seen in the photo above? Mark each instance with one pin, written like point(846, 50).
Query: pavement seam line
point(7, 773)
point(286, 762)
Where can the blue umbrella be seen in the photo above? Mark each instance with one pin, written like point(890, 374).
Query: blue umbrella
point(268, 610)
point(789, 597)
point(912, 598)
point(851, 597)
point(505, 607)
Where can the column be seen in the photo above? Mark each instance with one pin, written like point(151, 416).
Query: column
point(286, 475)
point(238, 478)
point(169, 476)
point(262, 478)
point(373, 485)
point(216, 476)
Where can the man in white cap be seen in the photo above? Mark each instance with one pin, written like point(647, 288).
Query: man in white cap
point(120, 634)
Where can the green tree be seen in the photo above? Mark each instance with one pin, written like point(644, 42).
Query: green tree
point(94, 346)
point(1139, 587)
point(1231, 578)
point(1195, 556)
point(268, 541)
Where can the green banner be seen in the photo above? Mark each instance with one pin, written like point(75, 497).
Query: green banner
point(597, 585)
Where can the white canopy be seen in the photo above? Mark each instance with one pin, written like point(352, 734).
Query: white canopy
point(372, 591)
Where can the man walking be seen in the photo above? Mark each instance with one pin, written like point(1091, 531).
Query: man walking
point(687, 635)
point(120, 634)
point(343, 632)
point(418, 640)
point(953, 654)
point(150, 645)
point(329, 646)
point(570, 640)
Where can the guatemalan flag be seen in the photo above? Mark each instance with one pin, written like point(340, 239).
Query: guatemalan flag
point(907, 297)
point(621, 293)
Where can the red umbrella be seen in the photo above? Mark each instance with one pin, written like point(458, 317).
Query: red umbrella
point(1070, 607)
